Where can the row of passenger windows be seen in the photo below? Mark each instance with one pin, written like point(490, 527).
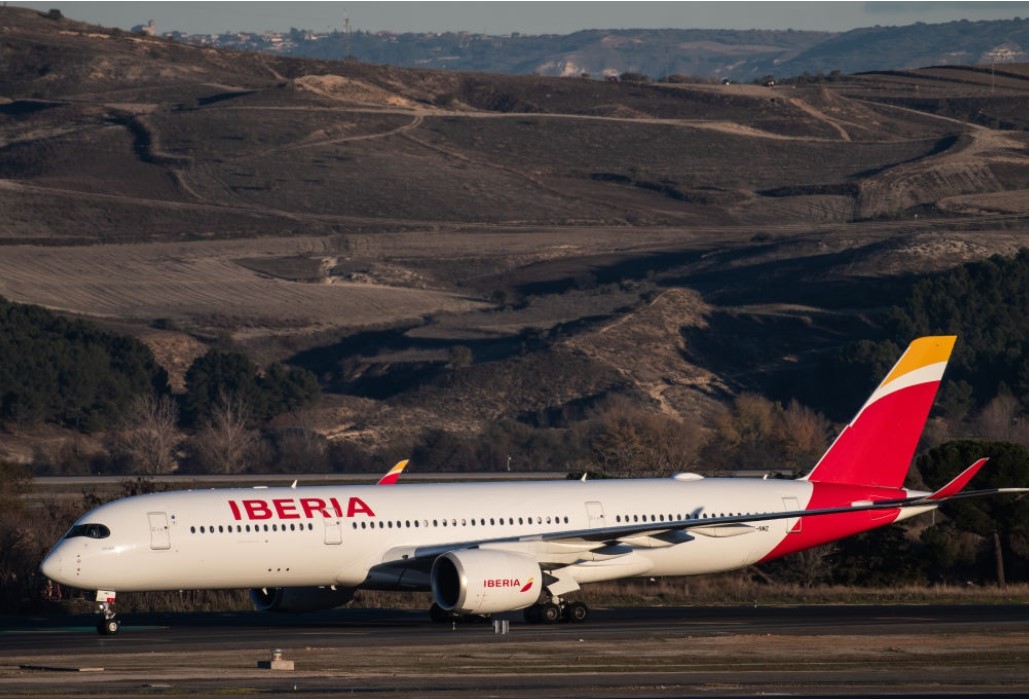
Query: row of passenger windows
point(380, 524)
point(240, 528)
point(631, 519)
point(463, 522)
point(424, 523)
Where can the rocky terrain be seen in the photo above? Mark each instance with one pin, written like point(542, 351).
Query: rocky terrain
point(674, 244)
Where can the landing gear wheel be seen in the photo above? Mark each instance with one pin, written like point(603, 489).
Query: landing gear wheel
point(108, 627)
point(108, 624)
point(576, 612)
point(550, 613)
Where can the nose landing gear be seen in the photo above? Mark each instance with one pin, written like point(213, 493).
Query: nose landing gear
point(109, 624)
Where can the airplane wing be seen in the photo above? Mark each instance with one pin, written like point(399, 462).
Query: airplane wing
point(558, 545)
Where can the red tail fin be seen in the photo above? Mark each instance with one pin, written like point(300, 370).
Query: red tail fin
point(877, 446)
point(394, 474)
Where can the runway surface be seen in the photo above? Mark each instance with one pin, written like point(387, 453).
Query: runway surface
point(639, 652)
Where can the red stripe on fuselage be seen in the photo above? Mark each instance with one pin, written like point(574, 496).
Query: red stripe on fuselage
point(815, 531)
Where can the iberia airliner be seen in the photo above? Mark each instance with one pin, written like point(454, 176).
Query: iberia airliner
point(484, 548)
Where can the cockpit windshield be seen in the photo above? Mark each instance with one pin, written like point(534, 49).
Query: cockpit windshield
point(93, 531)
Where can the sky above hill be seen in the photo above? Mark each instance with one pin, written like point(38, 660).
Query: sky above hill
point(524, 17)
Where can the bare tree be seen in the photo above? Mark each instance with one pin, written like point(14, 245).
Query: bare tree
point(225, 442)
point(148, 438)
point(802, 436)
point(1001, 419)
point(808, 567)
point(633, 442)
point(744, 434)
point(301, 448)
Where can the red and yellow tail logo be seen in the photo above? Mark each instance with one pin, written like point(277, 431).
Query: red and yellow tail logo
point(528, 585)
point(394, 474)
point(877, 446)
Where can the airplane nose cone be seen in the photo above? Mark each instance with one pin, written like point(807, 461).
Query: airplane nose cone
point(51, 566)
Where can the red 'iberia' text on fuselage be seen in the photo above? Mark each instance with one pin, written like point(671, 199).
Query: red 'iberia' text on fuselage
point(298, 508)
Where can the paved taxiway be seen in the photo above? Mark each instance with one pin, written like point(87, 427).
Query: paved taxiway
point(640, 652)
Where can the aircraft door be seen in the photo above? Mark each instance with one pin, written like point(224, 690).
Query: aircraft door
point(793, 524)
point(595, 510)
point(160, 535)
point(333, 532)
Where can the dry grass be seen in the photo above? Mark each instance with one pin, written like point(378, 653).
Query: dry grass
point(203, 286)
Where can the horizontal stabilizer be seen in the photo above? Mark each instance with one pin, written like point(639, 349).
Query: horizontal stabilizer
point(958, 482)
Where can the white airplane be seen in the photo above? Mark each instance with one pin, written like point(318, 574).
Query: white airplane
point(484, 548)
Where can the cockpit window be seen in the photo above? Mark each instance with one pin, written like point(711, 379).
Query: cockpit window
point(93, 531)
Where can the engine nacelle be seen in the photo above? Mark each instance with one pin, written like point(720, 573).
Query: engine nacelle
point(295, 600)
point(475, 581)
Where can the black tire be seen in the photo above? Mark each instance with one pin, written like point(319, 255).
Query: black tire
point(550, 613)
point(577, 612)
point(108, 627)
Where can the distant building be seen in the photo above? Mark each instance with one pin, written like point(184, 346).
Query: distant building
point(148, 29)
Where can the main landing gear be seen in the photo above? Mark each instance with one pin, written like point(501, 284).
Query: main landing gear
point(555, 610)
point(109, 624)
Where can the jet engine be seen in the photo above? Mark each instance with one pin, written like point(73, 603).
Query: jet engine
point(476, 581)
point(295, 600)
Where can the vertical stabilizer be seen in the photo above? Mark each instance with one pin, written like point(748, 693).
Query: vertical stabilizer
point(394, 474)
point(877, 446)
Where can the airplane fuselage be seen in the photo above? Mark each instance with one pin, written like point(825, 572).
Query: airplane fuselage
point(328, 535)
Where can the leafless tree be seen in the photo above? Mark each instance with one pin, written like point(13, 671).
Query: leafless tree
point(757, 433)
point(802, 436)
point(301, 448)
point(633, 442)
point(149, 438)
point(744, 433)
point(1001, 419)
point(225, 442)
point(808, 567)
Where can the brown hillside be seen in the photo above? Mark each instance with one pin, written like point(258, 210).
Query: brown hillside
point(580, 237)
